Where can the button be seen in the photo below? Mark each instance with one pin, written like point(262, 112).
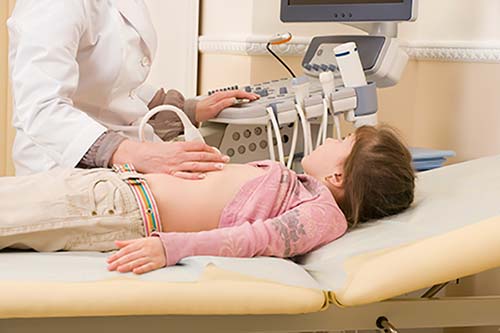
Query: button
point(230, 152)
point(258, 131)
point(247, 133)
point(283, 91)
point(145, 62)
point(308, 67)
point(248, 89)
point(324, 67)
point(242, 150)
point(236, 136)
point(315, 67)
point(332, 67)
point(252, 147)
point(262, 92)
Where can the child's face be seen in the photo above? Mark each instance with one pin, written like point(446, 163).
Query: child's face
point(329, 158)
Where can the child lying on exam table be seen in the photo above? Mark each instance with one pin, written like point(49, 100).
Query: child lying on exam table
point(256, 209)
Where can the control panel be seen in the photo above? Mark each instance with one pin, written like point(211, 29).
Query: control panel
point(320, 56)
point(255, 129)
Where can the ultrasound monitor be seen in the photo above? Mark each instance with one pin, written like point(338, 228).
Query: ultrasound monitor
point(348, 10)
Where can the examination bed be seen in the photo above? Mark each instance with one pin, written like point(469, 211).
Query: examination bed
point(356, 282)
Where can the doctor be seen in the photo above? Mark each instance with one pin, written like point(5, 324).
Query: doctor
point(78, 69)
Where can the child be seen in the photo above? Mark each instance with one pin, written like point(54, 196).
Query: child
point(256, 209)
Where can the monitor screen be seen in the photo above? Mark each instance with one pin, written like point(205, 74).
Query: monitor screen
point(347, 10)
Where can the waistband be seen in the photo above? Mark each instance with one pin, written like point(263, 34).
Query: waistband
point(143, 195)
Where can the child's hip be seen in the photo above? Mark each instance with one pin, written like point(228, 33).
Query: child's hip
point(74, 209)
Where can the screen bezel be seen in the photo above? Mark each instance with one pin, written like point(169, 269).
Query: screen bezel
point(348, 12)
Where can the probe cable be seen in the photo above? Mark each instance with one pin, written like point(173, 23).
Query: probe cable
point(277, 133)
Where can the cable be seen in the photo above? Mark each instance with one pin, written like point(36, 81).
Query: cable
point(191, 133)
point(295, 136)
point(272, 156)
point(323, 127)
point(300, 87)
point(307, 136)
point(277, 40)
point(274, 122)
point(336, 127)
point(268, 47)
point(327, 80)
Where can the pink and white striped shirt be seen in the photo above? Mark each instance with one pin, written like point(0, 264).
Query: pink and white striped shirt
point(278, 214)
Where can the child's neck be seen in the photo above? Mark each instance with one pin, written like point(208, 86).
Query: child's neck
point(338, 193)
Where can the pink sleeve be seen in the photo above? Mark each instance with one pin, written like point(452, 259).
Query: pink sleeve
point(299, 230)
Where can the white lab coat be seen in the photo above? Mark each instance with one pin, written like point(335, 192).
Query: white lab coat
point(77, 69)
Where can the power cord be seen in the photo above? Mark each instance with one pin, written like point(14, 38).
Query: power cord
point(280, 39)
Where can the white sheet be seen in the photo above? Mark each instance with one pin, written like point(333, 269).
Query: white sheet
point(447, 199)
point(90, 266)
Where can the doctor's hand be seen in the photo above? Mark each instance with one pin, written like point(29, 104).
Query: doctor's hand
point(138, 255)
point(187, 160)
point(212, 105)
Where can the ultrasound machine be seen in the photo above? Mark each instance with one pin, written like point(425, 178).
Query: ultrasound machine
point(340, 75)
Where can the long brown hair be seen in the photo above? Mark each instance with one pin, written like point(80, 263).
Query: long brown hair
point(379, 179)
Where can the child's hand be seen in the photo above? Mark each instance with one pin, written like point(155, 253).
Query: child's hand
point(138, 255)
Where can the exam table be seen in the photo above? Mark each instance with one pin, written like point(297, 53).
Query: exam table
point(356, 282)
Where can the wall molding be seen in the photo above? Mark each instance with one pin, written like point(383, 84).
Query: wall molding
point(475, 52)
point(250, 45)
point(453, 51)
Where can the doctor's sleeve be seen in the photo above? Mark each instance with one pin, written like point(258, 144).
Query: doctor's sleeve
point(166, 125)
point(44, 43)
point(297, 231)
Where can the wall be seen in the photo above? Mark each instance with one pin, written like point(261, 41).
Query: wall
point(176, 60)
point(6, 130)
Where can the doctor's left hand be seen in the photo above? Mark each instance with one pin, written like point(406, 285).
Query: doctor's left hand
point(139, 256)
point(212, 105)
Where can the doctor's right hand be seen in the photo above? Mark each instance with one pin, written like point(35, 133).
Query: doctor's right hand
point(187, 160)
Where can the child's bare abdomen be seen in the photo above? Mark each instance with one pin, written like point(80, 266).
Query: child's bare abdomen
point(196, 205)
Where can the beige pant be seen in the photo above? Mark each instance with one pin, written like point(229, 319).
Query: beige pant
point(77, 210)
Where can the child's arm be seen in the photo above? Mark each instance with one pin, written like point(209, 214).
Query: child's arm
point(297, 231)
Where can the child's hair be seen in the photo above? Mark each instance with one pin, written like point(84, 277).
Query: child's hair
point(379, 179)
